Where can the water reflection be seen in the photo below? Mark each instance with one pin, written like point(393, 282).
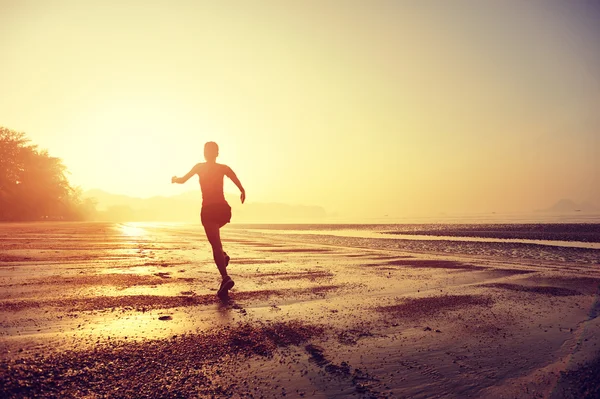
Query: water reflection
point(133, 231)
point(414, 237)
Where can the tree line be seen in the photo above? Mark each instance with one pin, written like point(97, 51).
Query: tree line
point(34, 185)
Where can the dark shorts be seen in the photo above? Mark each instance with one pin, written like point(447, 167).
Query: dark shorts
point(216, 214)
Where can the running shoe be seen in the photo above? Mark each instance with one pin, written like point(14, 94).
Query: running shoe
point(226, 285)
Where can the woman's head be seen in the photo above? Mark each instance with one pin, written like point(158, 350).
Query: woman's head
point(211, 151)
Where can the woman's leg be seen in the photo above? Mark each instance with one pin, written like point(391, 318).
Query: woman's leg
point(214, 237)
point(227, 257)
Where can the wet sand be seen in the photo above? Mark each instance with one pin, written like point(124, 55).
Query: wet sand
point(129, 310)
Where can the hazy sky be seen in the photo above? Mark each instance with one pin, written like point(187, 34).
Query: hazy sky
point(366, 108)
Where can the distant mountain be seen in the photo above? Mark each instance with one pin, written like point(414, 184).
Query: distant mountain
point(186, 208)
point(569, 206)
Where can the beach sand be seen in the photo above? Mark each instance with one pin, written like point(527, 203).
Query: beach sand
point(90, 310)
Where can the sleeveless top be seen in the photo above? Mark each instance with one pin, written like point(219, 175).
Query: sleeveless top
point(211, 182)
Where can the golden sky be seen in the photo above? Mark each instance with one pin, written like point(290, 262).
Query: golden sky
point(365, 108)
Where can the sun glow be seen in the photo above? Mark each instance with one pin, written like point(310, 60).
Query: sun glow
point(300, 96)
point(132, 231)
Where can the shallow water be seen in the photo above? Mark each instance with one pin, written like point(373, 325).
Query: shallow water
point(418, 237)
point(563, 252)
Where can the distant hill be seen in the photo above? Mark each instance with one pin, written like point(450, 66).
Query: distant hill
point(569, 206)
point(186, 208)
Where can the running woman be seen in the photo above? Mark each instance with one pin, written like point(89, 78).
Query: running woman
point(216, 212)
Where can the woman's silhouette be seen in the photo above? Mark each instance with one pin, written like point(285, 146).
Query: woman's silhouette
point(216, 212)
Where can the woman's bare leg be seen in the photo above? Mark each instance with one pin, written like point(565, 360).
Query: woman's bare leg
point(214, 237)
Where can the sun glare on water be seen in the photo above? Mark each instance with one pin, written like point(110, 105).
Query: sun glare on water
point(132, 231)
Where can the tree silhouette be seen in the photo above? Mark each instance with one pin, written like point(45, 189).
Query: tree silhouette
point(33, 184)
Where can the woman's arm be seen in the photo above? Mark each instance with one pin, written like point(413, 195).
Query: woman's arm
point(231, 174)
point(181, 180)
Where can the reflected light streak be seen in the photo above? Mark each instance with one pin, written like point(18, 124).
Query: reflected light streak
point(132, 231)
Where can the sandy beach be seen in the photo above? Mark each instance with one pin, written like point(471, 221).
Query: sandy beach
point(90, 310)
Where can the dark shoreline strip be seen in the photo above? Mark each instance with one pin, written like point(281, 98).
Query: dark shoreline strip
point(536, 289)
point(148, 302)
point(429, 306)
